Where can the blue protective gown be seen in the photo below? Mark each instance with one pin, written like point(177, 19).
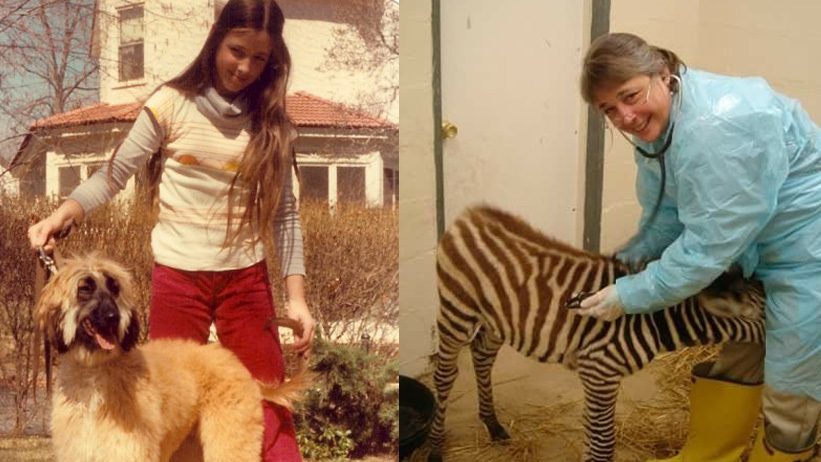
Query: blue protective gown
point(743, 186)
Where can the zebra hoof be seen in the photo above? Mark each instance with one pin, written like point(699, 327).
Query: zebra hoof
point(434, 457)
point(496, 430)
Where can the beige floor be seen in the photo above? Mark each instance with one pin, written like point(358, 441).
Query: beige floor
point(540, 405)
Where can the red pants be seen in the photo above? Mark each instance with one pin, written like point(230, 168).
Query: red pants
point(183, 304)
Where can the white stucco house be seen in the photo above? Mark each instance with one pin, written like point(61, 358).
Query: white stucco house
point(344, 154)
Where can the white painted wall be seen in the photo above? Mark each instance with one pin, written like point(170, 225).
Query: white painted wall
point(373, 179)
point(72, 149)
point(174, 33)
point(417, 190)
point(309, 29)
point(509, 83)
point(11, 185)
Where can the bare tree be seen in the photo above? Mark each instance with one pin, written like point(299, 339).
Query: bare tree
point(368, 41)
point(44, 52)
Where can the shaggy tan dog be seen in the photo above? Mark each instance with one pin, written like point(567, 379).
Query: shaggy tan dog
point(167, 400)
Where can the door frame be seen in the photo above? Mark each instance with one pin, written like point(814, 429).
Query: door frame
point(594, 164)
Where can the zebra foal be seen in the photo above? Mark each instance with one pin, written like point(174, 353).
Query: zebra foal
point(502, 282)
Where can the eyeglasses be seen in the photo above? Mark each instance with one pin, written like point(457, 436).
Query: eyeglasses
point(630, 99)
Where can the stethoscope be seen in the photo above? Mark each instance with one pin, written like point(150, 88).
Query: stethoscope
point(659, 156)
point(669, 140)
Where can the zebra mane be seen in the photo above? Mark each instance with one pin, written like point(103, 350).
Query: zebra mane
point(514, 224)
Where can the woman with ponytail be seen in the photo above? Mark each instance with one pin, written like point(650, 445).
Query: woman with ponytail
point(728, 174)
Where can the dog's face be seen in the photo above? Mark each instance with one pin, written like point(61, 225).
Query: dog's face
point(88, 306)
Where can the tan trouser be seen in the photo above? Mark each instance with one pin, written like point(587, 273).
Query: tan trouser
point(791, 420)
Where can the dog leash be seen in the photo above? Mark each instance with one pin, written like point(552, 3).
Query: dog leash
point(297, 328)
point(47, 261)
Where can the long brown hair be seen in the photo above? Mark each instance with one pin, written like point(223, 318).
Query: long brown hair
point(269, 155)
point(616, 58)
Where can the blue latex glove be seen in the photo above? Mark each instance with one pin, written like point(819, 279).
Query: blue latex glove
point(604, 304)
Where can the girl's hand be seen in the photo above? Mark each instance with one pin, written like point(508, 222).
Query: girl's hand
point(298, 310)
point(41, 233)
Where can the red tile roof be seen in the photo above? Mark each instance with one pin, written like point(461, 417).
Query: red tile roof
point(307, 111)
point(312, 111)
point(98, 113)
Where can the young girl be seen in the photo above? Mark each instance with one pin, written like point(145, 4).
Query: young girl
point(224, 188)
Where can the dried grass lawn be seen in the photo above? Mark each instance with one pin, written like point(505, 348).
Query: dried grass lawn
point(541, 406)
point(25, 449)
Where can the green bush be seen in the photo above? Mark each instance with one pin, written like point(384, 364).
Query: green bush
point(332, 444)
point(352, 400)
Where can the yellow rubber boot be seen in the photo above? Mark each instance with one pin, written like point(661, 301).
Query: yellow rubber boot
point(722, 417)
point(763, 452)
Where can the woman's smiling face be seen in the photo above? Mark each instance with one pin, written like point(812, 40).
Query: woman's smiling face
point(240, 60)
point(639, 106)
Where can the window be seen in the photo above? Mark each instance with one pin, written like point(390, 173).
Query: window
point(391, 189)
point(131, 43)
point(350, 184)
point(314, 182)
point(69, 179)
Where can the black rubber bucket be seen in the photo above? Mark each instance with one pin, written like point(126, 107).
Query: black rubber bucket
point(416, 406)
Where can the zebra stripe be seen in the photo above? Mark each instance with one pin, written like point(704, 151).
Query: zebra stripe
point(502, 282)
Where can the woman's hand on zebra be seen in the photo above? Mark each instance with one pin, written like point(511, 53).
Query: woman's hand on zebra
point(604, 304)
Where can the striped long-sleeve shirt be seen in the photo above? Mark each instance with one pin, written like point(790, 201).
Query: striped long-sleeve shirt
point(202, 139)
